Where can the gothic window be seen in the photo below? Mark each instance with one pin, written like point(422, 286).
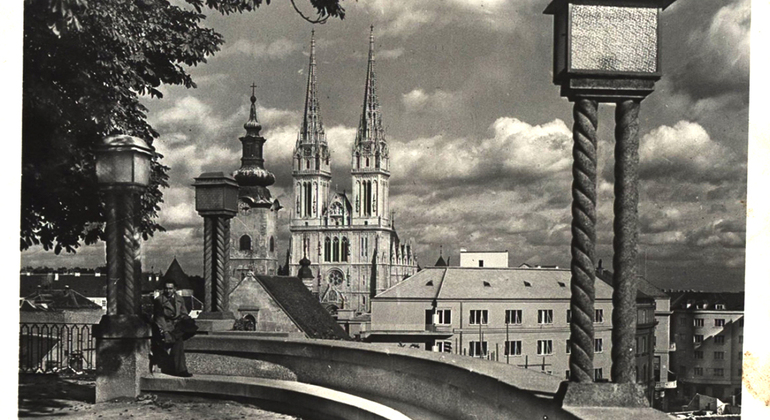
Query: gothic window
point(317, 162)
point(367, 162)
point(327, 250)
point(336, 250)
point(272, 244)
point(245, 243)
point(308, 199)
point(358, 161)
point(307, 164)
point(335, 278)
point(374, 198)
point(345, 249)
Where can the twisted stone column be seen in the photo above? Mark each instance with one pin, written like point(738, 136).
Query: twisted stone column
point(123, 252)
point(113, 252)
point(216, 248)
point(208, 233)
point(583, 240)
point(625, 240)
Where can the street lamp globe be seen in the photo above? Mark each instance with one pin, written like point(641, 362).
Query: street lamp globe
point(123, 161)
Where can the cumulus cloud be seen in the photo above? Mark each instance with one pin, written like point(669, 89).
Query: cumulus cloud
point(276, 50)
point(718, 53)
point(390, 54)
point(686, 151)
point(437, 101)
point(516, 151)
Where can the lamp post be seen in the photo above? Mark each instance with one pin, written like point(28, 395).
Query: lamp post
point(216, 200)
point(605, 51)
point(123, 172)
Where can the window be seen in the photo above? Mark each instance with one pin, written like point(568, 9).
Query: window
point(644, 345)
point(477, 349)
point(719, 306)
point(245, 243)
point(479, 317)
point(698, 354)
point(697, 322)
point(544, 347)
point(598, 374)
point(336, 250)
point(481, 263)
point(444, 317)
point(513, 348)
point(719, 355)
point(697, 371)
point(569, 316)
point(598, 345)
point(719, 372)
point(697, 338)
point(545, 316)
point(327, 250)
point(513, 316)
point(599, 315)
point(444, 346)
point(719, 339)
point(345, 249)
point(569, 346)
point(272, 244)
point(719, 322)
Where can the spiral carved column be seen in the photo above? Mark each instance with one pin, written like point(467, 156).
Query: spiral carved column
point(625, 240)
point(113, 252)
point(219, 264)
point(583, 246)
point(128, 256)
point(208, 233)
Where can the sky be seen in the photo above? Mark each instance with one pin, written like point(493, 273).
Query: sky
point(480, 139)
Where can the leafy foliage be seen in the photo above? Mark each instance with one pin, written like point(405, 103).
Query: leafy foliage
point(85, 64)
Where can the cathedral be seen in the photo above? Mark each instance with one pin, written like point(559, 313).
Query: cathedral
point(348, 237)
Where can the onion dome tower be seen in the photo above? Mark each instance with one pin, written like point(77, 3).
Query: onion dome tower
point(253, 179)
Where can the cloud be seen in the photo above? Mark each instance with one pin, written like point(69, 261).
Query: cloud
point(686, 151)
point(438, 101)
point(276, 50)
point(390, 54)
point(717, 59)
point(516, 150)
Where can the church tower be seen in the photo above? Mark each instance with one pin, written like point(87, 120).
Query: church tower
point(253, 230)
point(371, 164)
point(311, 166)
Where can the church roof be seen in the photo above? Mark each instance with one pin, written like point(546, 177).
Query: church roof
point(177, 275)
point(459, 283)
point(302, 307)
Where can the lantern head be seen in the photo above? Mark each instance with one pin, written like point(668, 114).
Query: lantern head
point(123, 161)
point(216, 194)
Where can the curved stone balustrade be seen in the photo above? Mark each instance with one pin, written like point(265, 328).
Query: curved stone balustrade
point(418, 383)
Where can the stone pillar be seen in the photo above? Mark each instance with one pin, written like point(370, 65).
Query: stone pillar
point(216, 250)
point(626, 228)
point(122, 336)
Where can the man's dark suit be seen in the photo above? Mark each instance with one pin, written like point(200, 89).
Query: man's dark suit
point(167, 314)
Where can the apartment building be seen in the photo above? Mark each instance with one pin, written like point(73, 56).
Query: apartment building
point(707, 332)
point(518, 316)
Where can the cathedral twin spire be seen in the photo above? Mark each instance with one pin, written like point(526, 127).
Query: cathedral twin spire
point(370, 127)
point(312, 130)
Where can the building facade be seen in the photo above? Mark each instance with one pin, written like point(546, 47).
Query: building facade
point(518, 316)
point(707, 331)
point(253, 230)
point(349, 236)
point(483, 258)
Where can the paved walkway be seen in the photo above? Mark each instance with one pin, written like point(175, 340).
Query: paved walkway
point(53, 396)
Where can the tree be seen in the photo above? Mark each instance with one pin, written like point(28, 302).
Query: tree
point(85, 64)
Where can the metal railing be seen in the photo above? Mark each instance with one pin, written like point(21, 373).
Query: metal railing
point(54, 348)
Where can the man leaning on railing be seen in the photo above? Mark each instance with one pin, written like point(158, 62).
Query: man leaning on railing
point(174, 326)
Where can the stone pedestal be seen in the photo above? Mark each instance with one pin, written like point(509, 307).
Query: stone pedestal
point(122, 356)
point(215, 321)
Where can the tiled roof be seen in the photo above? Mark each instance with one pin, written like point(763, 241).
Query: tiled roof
point(86, 284)
point(488, 283)
point(644, 289)
point(698, 300)
point(59, 299)
point(302, 307)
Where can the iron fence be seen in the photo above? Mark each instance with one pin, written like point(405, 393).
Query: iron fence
point(54, 348)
